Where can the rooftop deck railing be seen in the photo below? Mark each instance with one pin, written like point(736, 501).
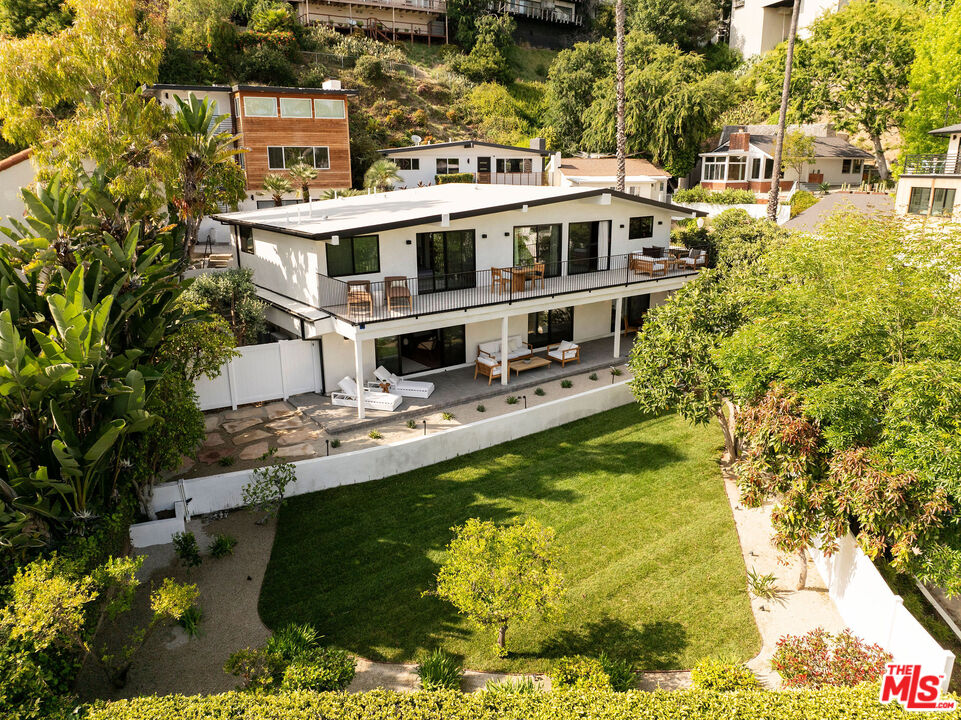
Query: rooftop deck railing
point(932, 164)
point(511, 178)
point(385, 300)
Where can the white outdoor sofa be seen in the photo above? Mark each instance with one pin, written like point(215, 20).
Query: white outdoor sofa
point(378, 400)
point(406, 388)
point(488, 361)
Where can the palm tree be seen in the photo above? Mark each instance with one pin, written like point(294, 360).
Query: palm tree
point(302, 174)
point(201, 162)
point(620, 79)
point(277, 185)
point(381, 175)
point(339, 193)
point(782, 120)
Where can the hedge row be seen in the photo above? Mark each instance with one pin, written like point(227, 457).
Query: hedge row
point(859, 703)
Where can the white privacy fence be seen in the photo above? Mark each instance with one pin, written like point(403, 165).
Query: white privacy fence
point(876, 614)
point(274, 371)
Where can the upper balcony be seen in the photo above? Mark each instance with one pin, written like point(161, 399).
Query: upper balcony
point(512, 178)
point(538, 11)
point(932, 164)
point(361, 301)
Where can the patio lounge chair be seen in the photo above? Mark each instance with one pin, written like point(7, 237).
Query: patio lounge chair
point(399, 386)
point(564, 352)
point(488, 361)
point(499, 281)
point(537, 272)
point(358, 295)
point(639, 263)
point(694, 259)
point(397, 293)
point(347, 397)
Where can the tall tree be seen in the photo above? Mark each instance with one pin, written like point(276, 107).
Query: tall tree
point(19, 18)
point(772, 200)
point(797, 152)
point(382, 175)
point(689, 24)
point(621, 138)
point(302, 174)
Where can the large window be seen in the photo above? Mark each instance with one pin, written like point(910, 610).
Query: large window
point(448, 166)
point(713, 168)
point(445, 261)
point(354, 256)
point(736, 167)
point(640, 227)
point(762, 168)
point(919, 201)
point(850, 165)
point(942, 201)
point(550, 326)
point(325, 109)
point(420, 351)
point(245, 237)
point(633, 310)
point(582, 247)
point(295, 107)
point(538, 244)
point(514, 165)
point(282, 157)
point(260, 106)
point(408, 163)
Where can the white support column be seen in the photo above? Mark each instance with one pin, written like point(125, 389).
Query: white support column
point(359, 372)
point(617, 326)
point(505, 371)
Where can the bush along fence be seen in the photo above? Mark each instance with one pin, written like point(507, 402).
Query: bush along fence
point(876, 614)
point(225, 491)
point(860, 703)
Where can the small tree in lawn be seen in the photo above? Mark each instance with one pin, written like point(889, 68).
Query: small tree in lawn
point(266, 493)
point(497, 575)
point(798, 151)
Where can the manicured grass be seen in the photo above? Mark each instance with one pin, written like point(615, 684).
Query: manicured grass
point(650, 555)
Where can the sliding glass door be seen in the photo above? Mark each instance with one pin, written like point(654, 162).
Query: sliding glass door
point(583, 247)
point(421, 351)
point(538, 244)
point(550, 326)
point(445, 261)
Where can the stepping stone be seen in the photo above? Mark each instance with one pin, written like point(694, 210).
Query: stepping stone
point(297, 436)
point(213, 439)
point(212, 422)
point(291, 423)
point(236, 426)
point(278, 410)
point(245, 413)
point(253, 452)
point(250, 436)
point(302, 450)
point(209, 457)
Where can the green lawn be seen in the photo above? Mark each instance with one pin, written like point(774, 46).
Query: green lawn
point(650, 555)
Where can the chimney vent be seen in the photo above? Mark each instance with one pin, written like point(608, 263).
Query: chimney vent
point(740, 140)
point(538, 143)
point(331, 85)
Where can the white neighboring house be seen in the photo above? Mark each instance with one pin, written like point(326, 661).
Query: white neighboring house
point(466, 256)
point(642, 177)
point(744, 159)
point(758, 26)
point(16, 171)
point(931, 184)
point(489, 163)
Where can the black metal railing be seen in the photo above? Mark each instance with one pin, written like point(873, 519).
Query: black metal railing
point(359, 301)
point(534, 9)
point(511, 178)
point(932, 164)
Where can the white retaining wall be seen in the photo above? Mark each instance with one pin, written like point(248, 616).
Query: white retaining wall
point(757, 211)
point(225, 491)
point(273, 371)
point(876, 614)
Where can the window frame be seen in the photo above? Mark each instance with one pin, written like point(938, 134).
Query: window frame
point(919, 209)
point(353, 256)
point(640, 219)
point(247, 112)
point(413, 163)
point(289, 100)
point(942, 207)
point(245, 239)
point(717, 163)
point(319, 116)
point(447, 161)
point(283, 155)
point(739, 163)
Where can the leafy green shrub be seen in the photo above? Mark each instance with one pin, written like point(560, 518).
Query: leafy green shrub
point(481, 408)
point(232, 295)
point(453, 178)
point(616, 372)
point(190, 621)
point(819, 659)
point(592, 376)
point(539, 392)
point(265, 64)
point(227, 461)
point(511, 400)
point(440, 671)
point(511, 686)
point(620, 672)
point(375, 435)
point(222, 546)
point(335, 443)
point(369, 69)
point(763, 586)
point(419, 117)
point(859, 703)
point(267, 490)
point(566, 384)
point(579, 672)
point(447, 416)
point(701, 194)
point(801, 200)
point(412, 424)
point(723, 675)
point(187, 549)
point(255, 667)
point(293, 641)
point(322, 670)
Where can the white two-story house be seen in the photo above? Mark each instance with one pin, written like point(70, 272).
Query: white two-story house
point(488, 163)
point(930, 184)
point(416, 279)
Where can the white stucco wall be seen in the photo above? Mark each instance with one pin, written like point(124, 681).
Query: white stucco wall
point(467, 157)
point(11, 180)
point(757, 28)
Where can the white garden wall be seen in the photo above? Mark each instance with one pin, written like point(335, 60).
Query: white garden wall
point(273, 371)
point(225, 491)
point(756, 211)
point(876, 614)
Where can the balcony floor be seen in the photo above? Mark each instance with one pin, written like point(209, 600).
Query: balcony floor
point(425, 304)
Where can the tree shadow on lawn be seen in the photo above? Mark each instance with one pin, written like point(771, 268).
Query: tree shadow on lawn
point(653, 646)
point(355, 560)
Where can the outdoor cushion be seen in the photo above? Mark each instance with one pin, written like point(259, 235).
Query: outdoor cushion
point(348, 387)
point(648, 251)
point(566, 345)
point(488, 361)
point(693, 254)
point(656, 252)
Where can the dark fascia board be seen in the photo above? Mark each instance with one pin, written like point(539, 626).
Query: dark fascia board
point(463, 143)
point(428, 219)
point(290, 90)
point(208, 88)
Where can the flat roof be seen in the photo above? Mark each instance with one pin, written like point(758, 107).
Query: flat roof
point(949, 130)
point(208, 88)
point(363, 214)
point(253, 88)
point(463, 143)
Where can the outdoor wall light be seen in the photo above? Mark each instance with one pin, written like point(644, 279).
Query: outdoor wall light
point(483, 235)
point(408, 242)
point(622, 226)
point(507, 234)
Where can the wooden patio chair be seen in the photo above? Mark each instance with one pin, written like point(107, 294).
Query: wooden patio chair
point(500, 281)
point(396, 293)
point(537, 272)
point(359, 295)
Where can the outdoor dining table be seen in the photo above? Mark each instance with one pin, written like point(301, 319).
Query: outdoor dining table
point(519, 276)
